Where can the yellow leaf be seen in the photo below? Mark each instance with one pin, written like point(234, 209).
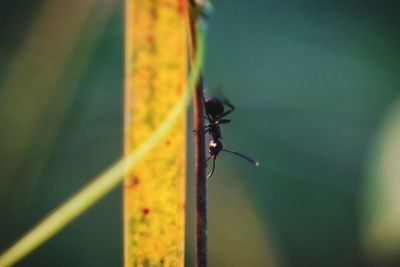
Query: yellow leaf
point(154, 190)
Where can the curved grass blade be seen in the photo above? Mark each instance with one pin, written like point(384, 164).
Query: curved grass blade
point(106, 181)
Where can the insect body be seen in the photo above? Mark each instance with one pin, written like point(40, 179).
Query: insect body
point(215, 112)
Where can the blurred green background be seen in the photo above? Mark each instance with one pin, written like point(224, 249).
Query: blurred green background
point(315, 85)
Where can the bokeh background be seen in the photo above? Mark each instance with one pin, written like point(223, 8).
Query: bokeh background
point(316, 90)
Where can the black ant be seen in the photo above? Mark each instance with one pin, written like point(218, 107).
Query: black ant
point(215, 111)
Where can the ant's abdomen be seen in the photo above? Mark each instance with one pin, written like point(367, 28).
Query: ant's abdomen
point(214, 107)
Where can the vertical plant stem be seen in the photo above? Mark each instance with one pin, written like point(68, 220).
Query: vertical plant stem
point(197, 25)
point(200, 171)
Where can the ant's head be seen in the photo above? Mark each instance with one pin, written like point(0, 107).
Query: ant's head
point(214, 147)
point(214, 106)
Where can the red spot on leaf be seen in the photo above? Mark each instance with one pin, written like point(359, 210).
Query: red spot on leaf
point(142, 77)
point(145, 211)
point(149, 38)
point(179, 88)
point(167, 142)
point(181, 7)
point(134, 181)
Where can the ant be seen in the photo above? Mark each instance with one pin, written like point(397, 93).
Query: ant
point(215, 111)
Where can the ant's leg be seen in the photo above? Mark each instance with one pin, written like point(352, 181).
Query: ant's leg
point(213, 167)
point(225, 113)
point(221, 121)
point(208, 117)
point(207, 128)
point(229, 104)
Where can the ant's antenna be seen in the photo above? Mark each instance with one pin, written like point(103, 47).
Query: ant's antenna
point(255, 162)
point(213, 167)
